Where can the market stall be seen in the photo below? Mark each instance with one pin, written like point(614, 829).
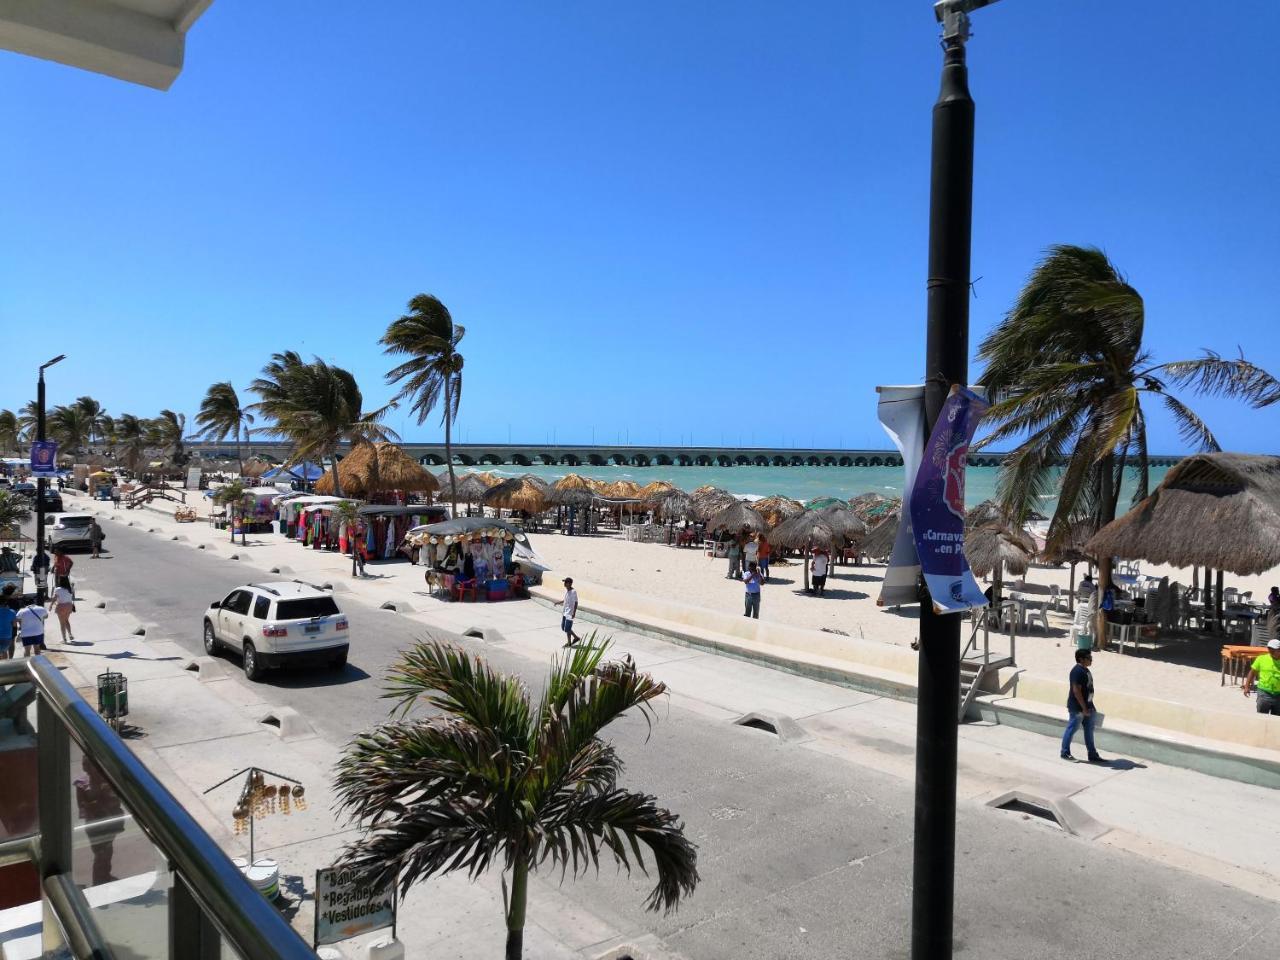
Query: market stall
point(477, 558)
point(386, 527)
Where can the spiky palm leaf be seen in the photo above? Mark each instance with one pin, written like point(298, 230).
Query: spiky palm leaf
point(70, 427)
point(96, 414)
point(222, 415)
point(10, 432)
point(495, 779)
point(131, 437)
point(14, 511)
point(168, 432)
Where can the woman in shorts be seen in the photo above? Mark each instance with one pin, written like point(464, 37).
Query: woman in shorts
point(63, 604)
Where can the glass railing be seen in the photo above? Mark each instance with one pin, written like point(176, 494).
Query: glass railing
point(121, 869)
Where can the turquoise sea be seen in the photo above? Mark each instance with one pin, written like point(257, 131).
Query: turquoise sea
point(800, 483)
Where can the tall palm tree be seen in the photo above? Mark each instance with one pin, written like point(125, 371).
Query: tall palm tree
point(15, 510)
point(495, 777)
point(28, 418)
point(94, 413)
point(1069, 373)
point(10, 432)
point(318, 407)
point(131, 436)
point(107, 433)
point(168, 432)
point(428, 336)
point(70, 427)
point(221, 415)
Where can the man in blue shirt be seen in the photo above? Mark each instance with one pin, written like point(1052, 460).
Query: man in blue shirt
point(8, 616)
point(752, 580)
point(1080, 710)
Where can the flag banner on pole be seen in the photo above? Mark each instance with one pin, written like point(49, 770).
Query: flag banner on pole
point(901, 413)
point(44, 458)
point(937, 505)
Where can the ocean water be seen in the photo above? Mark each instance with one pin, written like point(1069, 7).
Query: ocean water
point(800, 483)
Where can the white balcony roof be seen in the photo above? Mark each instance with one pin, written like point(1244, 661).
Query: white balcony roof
point(141, 41)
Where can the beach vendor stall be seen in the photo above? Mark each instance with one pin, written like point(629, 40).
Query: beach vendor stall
point(291, 509)
point(385, 528)
point(257, 509)
point(477, 558)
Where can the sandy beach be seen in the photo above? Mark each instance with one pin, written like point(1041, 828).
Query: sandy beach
point(1181, 668)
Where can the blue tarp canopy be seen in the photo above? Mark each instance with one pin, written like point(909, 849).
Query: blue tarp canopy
point(307, 472)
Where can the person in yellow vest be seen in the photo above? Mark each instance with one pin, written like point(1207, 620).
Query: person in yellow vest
point(1265, 675)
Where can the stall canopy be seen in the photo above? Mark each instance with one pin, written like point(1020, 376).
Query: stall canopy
point(464, 525)
point(306, 472)
point(415, 510)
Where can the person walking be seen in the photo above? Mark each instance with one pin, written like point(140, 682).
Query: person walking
point(752, 580)
point(63, 604)
point(8, 622)
point(734, 551)
point(1264, 673)
point(31, 620)
point(763, 551)
point(568, 612)
point(820, 563)
point(62, 564)
point(95, 537)
point(1080, 709)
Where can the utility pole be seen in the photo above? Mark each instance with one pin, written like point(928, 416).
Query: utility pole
point(946, 363)
point(42, 484)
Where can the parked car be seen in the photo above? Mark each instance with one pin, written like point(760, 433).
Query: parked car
point(276, 624)
point(52, 501)
point(25, 488)
point(71, 532)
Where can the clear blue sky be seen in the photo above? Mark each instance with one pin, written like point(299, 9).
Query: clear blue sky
point(659, 221)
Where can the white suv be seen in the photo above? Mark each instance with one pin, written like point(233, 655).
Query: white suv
point(271, 624)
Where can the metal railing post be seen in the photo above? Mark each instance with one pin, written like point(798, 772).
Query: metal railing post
point(192, 936)
point(53, 802)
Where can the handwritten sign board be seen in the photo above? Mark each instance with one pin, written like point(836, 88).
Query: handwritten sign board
point(347, 907)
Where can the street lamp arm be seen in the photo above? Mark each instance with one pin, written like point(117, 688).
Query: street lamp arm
point(954, 17)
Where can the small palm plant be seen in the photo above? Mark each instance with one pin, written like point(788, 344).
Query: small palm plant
point(496, 777)
point(233, 493)
point(348, 512)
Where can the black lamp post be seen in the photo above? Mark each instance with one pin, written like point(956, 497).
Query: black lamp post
point(41, 569)
point(946, 363)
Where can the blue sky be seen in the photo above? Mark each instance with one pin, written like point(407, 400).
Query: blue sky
point(663, 222)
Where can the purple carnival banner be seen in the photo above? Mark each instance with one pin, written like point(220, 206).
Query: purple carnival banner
point(937, 505)
point(901, 413)
point(44, 458)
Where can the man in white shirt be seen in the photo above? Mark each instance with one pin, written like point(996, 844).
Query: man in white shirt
point(31, 620)
point(570, 605)
point(820, 562)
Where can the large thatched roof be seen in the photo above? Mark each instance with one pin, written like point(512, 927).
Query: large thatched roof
point(471, 487)
point(778, 508)
point(879, 542)
point(1219, 510)
point(992, 543)
point(675, 505)
point(527, 493)
point(708, 501)
point(580, 497)
point(871, 508)
point(843, 522)
point(620, 490)
point(652, 493)
point(809, 529)
point(377, 468)
point(735, 518)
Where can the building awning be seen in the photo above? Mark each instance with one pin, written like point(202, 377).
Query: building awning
point(141, 41)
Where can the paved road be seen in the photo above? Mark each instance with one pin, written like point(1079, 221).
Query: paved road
point(802, 855)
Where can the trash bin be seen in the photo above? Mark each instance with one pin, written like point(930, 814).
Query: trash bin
point(113, 696)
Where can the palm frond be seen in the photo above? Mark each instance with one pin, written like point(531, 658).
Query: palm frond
point(1214, 376)
point(1191, 429)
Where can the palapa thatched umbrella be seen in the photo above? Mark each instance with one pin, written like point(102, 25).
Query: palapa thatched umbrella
point(255, 467)
point(373, 468)
point(1220, 511)
point(845, 523)
point(527, 493)
point(651, 493)
point(574, 481)
point(621, 490)
point(675, 505)
point(878, 543)
point(735, 518)
point(804, 532)
point(777, 508)
point(1069, 548)
point(708, 501)
point(871, 508)
point(472, 488)
point(821, 503)
point(992, 545)
point(574, 492)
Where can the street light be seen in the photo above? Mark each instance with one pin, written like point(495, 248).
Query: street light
point(946, 363)
point(41, 563)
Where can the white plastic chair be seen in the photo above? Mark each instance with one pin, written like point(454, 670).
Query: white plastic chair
point(1034, 612)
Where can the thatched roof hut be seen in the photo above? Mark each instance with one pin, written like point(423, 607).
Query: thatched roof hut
point(735, 518)
point(821, 503)
point(528, 493)
point(809, 529)
point(580, 497)
point(871, 508)
point(1219, 510)
point(653, 492)
point(378, 468)
point(574, 481)
point(675, 505)
point(993, 545)
point(621, 490)
point(843, 522)
point(778, 508)
point(1070, 547)
point(708, 501)
point(879, 541)
point(255, 467)
point(471, 488)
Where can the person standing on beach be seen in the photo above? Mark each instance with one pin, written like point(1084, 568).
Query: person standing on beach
point(31, 620)
point(763, 551)
point(95, 537)
point(1264, 673)
point(1080, 711)
point(752, 580)
point(820, 561)
point(734, 550)
point(750, 552)
point(569, 611)
point(8, 622)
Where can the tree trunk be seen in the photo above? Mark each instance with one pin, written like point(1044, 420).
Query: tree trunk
point(515, 911)
point(239, 458)
point(1106, 513)
point(448, 447)
point(337, 480)
point(806, 567)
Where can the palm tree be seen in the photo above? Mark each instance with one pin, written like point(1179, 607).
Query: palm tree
point(496, 777)
point(131, 435)
point(318, 407)
point(107, 433)
point(70, 427)
point(94, 413)
point(233, 493)
point(221, 415)
point(433, 372)
point(28, 418)
point(348, 512)
point(167, 432)
point(15, 510)
point(1068, 370)
point(10, 431)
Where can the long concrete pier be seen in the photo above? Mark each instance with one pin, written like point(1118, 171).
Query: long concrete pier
point(575, 455)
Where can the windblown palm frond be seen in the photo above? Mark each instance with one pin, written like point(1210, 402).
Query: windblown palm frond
point(221, 415)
